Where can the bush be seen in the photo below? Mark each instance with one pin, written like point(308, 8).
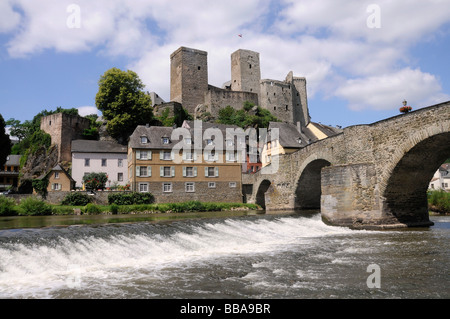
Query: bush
point(76, 199)
point(439, 201)
point(132, 198)
point(114, 208)
point(92, 209)
point(7, 206)
point(34, 207)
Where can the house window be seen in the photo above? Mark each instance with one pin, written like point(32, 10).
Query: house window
point(120, 177)
point(190, 187)
point(232, 184)
point(188, 156)
point(211, 184)
point(87, 162)
point(167, 187)
point(209, 142)
point(144, 140)
point(165, 140)
point(167, 171)
point(104, 162)
point(188, 140)
point(119, 163)
point(56, 187)
point(211, 171)
point(143, 171)
point(189, 172)
point(144, 155)
point(211, 156)
point(56, 174)
point(167, 156)
point(143, 187)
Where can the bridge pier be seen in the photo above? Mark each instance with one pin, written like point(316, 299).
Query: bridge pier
point(350, 198)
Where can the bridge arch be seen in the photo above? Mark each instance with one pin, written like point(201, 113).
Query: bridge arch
point(406, 180)
point(308, 190)
point(262, 189)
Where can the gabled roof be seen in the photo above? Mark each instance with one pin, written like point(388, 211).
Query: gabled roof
point(293, 136)
point(91, 146)
point(57, 168)
point(154, 136)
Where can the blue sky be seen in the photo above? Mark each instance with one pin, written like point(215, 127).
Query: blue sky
point(360, 58)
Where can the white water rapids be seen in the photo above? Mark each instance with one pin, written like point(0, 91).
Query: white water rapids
point(217, 257)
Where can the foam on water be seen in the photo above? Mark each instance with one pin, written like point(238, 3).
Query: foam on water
point(40, 267)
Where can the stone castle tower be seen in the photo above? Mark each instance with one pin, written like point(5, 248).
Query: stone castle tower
point(188, 77)
point(64, 128)
point(189, 86)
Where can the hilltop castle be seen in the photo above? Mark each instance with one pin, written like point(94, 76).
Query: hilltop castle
point(189, 87)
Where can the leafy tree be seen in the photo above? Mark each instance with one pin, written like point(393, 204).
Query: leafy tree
point(5, 142)
point(123, 102)
point(248, 116)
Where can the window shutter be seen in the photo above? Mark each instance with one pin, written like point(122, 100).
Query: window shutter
point(184, 171)
point(138, 154)
point(138, 171)
point(217, 172)
point(149, 171)
point(195, 155)
point(161, 155)
point(195, 171)
point(172, 155)
point(161, 171)
point(206, 171)
point(149, 155)
point(227, 156)
point(184, 155)
point(216, 156)
point(173, 170)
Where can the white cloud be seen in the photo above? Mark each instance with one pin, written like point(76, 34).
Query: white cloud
point(9, 19)
point(387, 91)
point(88, 110)
point(326, 41)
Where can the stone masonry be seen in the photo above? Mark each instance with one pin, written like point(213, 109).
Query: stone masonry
point(371, 175)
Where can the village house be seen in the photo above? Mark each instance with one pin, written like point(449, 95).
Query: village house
point(108, 157)
point(175, 169)
point(441, 178)
point(9, 173)
point(58, 180)
point(284, 138)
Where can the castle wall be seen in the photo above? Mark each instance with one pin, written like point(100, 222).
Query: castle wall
point(217, 98)
point(276, 96)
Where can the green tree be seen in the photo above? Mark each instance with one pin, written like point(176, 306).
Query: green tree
point(123, 102)
point(5, 142)
point(248, 116)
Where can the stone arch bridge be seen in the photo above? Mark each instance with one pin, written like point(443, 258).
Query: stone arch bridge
point(368, 176)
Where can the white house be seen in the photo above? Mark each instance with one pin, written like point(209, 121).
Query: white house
point(441, 179)
point(99, 157)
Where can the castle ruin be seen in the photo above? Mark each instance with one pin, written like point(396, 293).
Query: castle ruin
point(286, 99)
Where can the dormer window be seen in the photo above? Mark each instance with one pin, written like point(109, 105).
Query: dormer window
point(209, 142)
point(165, 140)
point(144, 140)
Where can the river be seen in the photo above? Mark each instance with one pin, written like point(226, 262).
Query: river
point(290, 255)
